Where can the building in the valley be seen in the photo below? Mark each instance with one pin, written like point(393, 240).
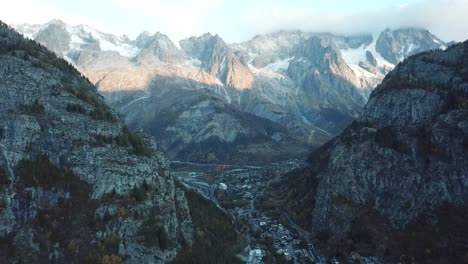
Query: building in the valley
point(223, 186)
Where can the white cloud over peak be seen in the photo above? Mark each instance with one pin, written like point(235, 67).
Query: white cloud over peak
point(39, 11)
point(239, 20)
point(446, 18)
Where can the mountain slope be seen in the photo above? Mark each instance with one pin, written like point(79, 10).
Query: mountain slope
point(76, 185)
point(395, 182)
point(194, 124)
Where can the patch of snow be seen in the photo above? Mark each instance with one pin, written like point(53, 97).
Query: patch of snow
point(196, 63)
point(266, 73)
point(402, 54)
point(76, 39)
point(144, 97)
point(82, 34)
point(436, 40)
point(76, 42)
point(252, 58)
point(305, 120)
point(29, 35)
point(278, 65)
point(226, 95)
point(354, 56)
point(411, 47)
point(123, 49)
point(381, 62)
point(312, 132)
point(253, 69)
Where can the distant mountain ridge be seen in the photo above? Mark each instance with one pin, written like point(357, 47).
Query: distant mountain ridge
point(310, 84)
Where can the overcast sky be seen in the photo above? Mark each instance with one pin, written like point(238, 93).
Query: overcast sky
point(239, 20)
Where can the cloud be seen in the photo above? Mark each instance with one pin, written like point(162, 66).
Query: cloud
point(179, 19)
point(34, 11)
point(445, 18)
point(38, 12)
point(239, 20)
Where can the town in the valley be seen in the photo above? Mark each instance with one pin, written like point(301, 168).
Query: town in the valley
point(236, 190)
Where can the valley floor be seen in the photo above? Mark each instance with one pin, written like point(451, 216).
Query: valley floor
point(235, 189)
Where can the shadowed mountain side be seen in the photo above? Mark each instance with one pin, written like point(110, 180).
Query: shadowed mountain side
point(76, 186)
point(193, 123)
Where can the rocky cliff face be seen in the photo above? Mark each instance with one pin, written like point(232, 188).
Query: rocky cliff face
point(310, 84)
point(218, 59)
point(75, 184)
point(326, 79)
point(399, 169)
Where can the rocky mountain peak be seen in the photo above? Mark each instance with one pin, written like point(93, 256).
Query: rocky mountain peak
point(55, 36)
point(159, 47)
point(324, 56)
point(57, 22)
point(315, 49)
point(199, 47)
point(219, 60)
point(142, 36)
point(395, 45)
point(125, 38)
point(145, 39)
point(205, 36)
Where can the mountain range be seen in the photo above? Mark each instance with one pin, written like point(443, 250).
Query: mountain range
point(77, 185)
point(203, 99)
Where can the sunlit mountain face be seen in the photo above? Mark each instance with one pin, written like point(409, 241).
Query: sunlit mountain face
point(288, 91)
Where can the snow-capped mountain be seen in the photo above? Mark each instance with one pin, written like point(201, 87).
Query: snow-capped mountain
point(65, 39)
point(309, 85)
point(396, 45)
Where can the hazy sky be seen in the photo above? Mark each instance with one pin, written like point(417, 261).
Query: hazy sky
point(238, 20)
